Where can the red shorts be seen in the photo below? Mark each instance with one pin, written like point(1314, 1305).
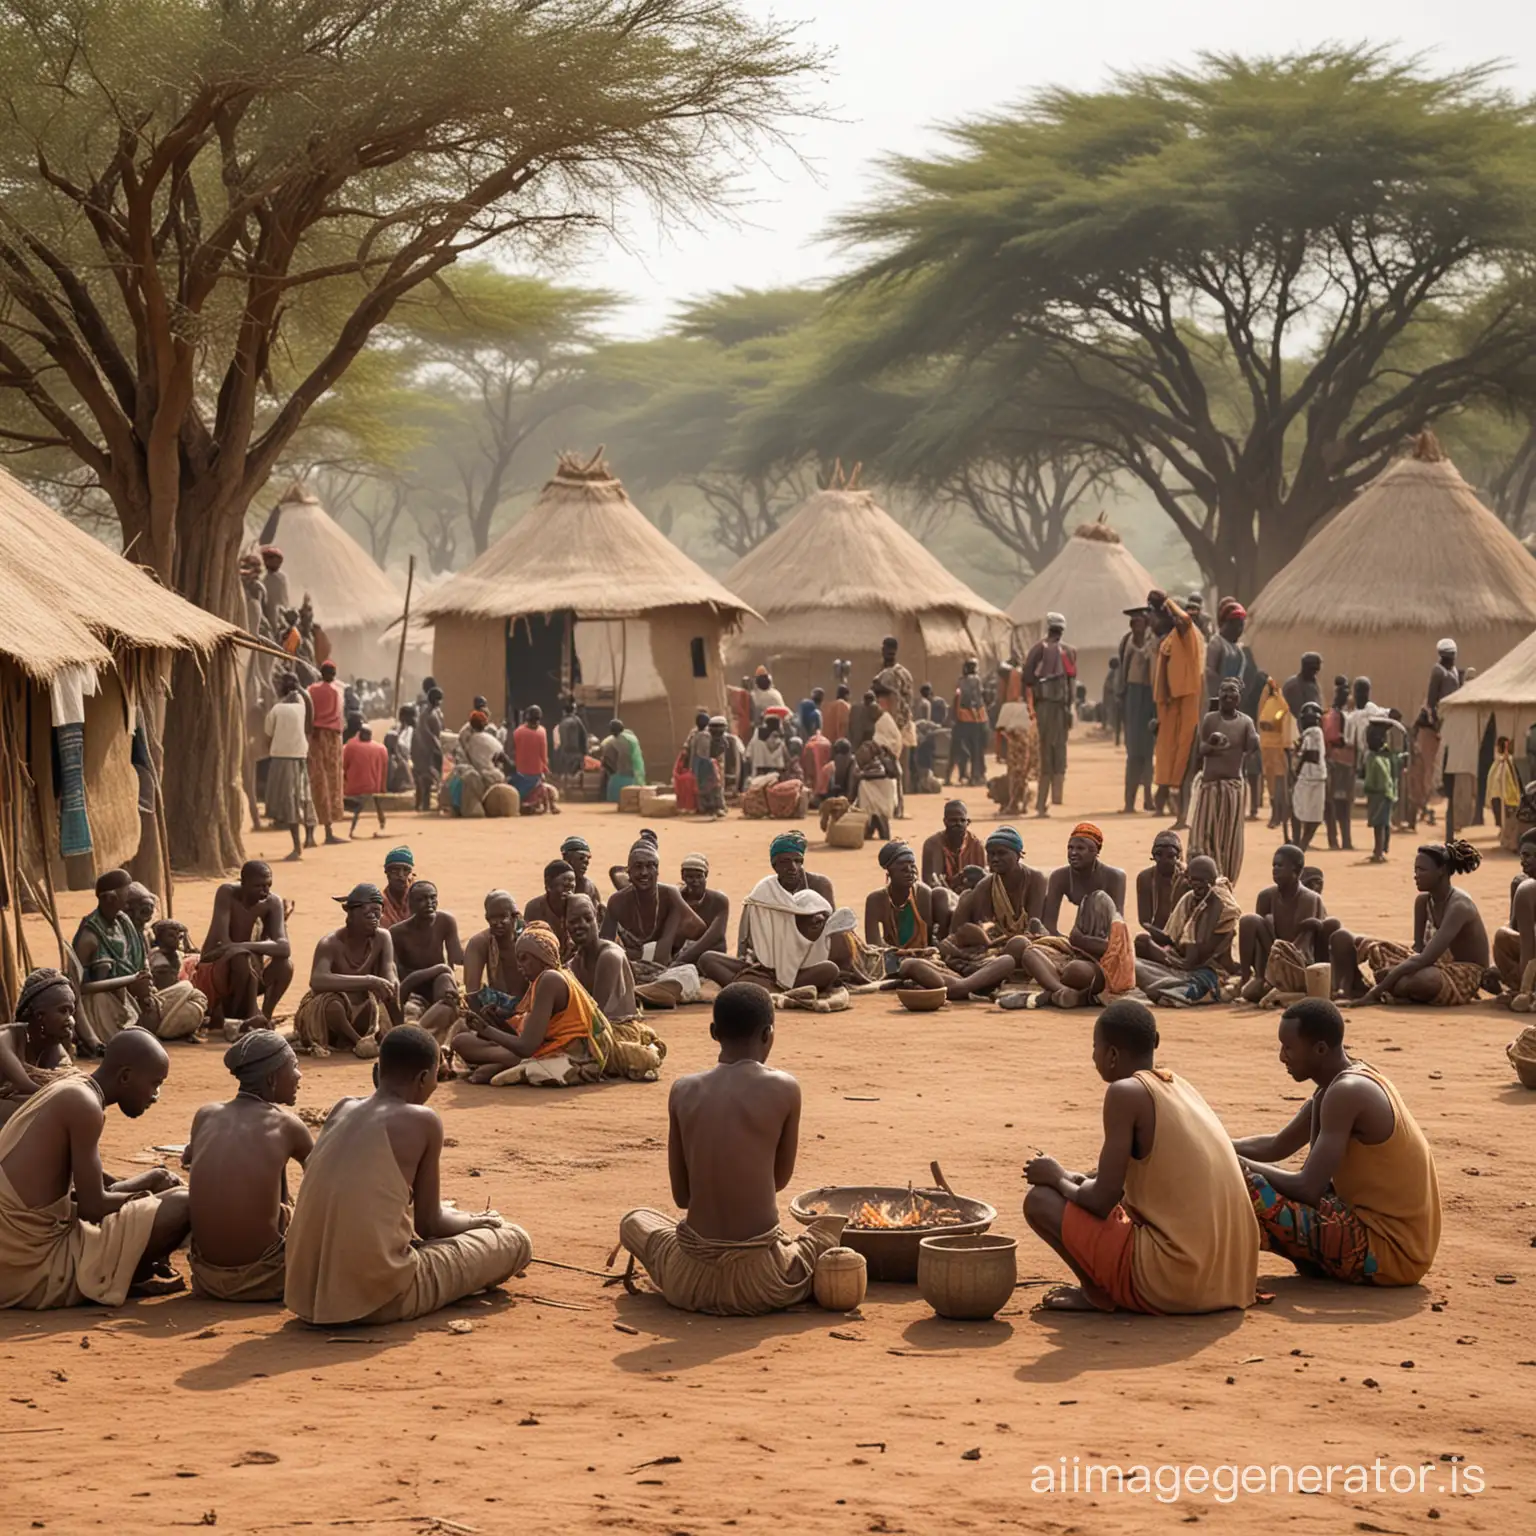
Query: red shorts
point(1102, 1248)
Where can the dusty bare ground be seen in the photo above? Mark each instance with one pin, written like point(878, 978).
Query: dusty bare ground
point(575, 1407)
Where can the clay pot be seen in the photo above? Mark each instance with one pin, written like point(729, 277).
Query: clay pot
point(922, 999)
point(967, 1275)
point(841, 1280)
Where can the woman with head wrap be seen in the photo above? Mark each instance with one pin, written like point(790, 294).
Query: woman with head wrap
point(239, 1151)
point(479, 764)
point(899, 916)
point(34, 1051)
point(556, 1037)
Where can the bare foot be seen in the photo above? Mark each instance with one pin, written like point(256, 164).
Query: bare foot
point(1068, 1298)
point(292, 858)
point(331, 839)
point(484, 1074)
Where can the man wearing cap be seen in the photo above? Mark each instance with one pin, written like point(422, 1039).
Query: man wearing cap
point(353, 988)
point(1007, 903)
point(651, 920)
point(1445, 677)
point(1223, 655)
point(1050, 673)
point(947, 854)
point(1194, 606)
point(399, 872)
point(238, 1154)
point(712, 908)
point(1138, 709)
point(577, 852)
point(1178, 678)
point(116, 989)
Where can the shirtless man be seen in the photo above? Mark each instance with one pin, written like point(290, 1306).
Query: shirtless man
point(69, 1233)
point(1282, 936)
point(352, 983)
point(560, 884)
point(1450, 956)
point(1083, 872)
point(427, 952)
point(1183, 964)
point(1161, 883)
point(648, 918)
point(712, 908)
point(240, 973)
point(947, 854)
point(1225, 740)
point(238, 1154)
point(1009, 901)
point(1364, 1208)
point(35, 1049)
point(600, 965)
point(577, 852)
point(1514, 946)
point(492, 982)
point(371, 1240)
point(732, 1138)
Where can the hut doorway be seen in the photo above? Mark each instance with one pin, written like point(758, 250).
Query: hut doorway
point(538, 663)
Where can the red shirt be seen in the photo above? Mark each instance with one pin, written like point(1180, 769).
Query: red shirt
point(530, 749)
point(329, 701)
point(364, 767)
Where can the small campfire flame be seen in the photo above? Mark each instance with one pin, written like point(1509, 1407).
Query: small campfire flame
point(912, 1210)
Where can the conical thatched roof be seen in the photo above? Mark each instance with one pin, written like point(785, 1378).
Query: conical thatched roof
point(66, 599)
point(840, 555)
point(1414, 548)
point(1415, 557)
point(320, 557)
point(1090, 583)
point(1510, 683)
point(582, 546)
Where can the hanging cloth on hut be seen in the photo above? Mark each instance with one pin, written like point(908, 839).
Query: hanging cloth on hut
point(68, 691)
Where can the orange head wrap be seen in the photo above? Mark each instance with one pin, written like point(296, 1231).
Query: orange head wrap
point(540, 938)
point(1088, 830)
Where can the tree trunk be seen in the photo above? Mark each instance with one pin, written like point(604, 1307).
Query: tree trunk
point(204, 729)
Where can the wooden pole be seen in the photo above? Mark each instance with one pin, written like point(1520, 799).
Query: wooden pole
point(405, 624)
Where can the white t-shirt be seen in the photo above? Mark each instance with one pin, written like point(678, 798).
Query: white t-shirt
point(285, 725)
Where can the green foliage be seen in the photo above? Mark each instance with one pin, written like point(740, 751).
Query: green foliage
point(1206, 274)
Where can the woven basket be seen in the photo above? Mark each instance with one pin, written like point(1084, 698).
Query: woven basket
point(502, 800)
point(658, 804)
point(848, 831)
point(629, 799)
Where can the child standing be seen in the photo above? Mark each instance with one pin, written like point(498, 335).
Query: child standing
point(1380, 789)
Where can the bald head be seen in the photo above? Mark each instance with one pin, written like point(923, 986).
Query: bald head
point(132, 1070)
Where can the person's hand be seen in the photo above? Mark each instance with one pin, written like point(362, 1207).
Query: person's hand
point(215, 952)
point(1217, 741)
point(485, 1221)
point(142, 987)
point(158, 1180)
point(1044, 1171)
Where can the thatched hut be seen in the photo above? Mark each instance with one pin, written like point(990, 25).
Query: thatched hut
point(83, 633)
point(1506, 694)
point(355, 601)
point(583, 596)
point(1091, 583)
point(837, 578)
point(1414, 557)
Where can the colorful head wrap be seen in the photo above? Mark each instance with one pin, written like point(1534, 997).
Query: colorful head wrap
point(1230, 608)
point(401, 855)
point(892, 851)
point(1088, 830)
point(271, 549)
point(42, 980)
point(787, 842)
point(255, 1055)
point(574, 844)
point(540, 938)
point(361, 895)
point(479, 717)
point(1008, 837)
point(696, 861)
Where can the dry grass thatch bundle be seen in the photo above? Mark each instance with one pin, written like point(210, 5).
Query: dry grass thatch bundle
point(583, 546)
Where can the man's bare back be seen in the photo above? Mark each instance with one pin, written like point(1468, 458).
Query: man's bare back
point(238, 1153)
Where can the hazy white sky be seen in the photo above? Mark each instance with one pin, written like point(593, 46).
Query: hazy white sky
point(898, 67)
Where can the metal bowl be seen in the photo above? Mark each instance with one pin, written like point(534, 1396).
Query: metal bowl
point(890, 1252)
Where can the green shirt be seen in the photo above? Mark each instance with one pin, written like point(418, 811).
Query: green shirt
point(1380, 778)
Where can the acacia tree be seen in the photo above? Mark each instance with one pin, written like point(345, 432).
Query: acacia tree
point(1220, 267)
point(185, 177)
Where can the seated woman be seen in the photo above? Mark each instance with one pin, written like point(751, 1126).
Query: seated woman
point(34, 1051)
point(899, 918)
point(1184, 964)
point(479, 763)
point(1449, 961)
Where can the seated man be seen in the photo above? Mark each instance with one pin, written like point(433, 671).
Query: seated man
point(732, 1137)
point(427, 951)
point(178, 1009)
point(560, 884)
point(352, 984)
point(947, 854)
point(712, 908)
point(1095, 959)
point(399, 872)
point(1185, 963)
point(238, 1154)
point(577, 852)
point(1514, 947)
point(1191, 1245)
point(648, 918)
point(492, 981)
point(633, 1048)
point(900, 916)
point(786, 855)
point(68, 1233)
point(1161, 883)
point(1450, 957)
point(785, 942)
point(1009, 902)
point(371, 1240)
point(1365, 1206)
point(556, 1037)
point(1283, 935)
point(34, 1051)
point(116, 989)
